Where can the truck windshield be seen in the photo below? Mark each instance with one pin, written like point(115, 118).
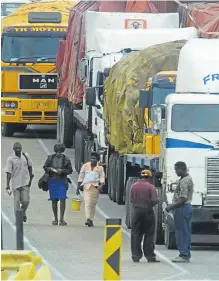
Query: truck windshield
point(195, 118)
point(160, 94)
point(7, 8)
point(30, 48)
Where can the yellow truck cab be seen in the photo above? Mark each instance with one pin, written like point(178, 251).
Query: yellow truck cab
point(30, 39)
point(159, 86)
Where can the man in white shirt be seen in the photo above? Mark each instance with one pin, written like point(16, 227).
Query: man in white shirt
point(19, 176)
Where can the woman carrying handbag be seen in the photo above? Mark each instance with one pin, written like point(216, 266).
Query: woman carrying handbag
point(58, 167)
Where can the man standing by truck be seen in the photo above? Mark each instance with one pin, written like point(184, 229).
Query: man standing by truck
point(143, 198)
point(182, 212)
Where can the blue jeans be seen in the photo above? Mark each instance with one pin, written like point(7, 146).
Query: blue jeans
point(182, 220)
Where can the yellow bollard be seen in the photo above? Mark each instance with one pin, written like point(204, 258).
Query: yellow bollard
point(112, 249)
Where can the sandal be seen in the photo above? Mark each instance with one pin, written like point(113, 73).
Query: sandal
point(55, 223)
point(63, 223)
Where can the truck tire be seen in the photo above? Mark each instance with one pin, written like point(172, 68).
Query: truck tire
point(128, 205)
point(79, 149)
point(109, 177)
point(66, 129)
point(159, 233)
point(120, 182)
point(58, 125)
point(114, 177)
point(8, 130)
point(169, 238)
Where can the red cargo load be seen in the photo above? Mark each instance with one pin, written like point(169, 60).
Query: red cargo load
point(205, 17)
point(60, 54)
point(70, 86)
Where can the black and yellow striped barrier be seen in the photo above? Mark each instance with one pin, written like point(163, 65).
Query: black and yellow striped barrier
point(112, 249)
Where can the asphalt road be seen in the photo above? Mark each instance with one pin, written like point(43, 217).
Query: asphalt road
point(38, 141)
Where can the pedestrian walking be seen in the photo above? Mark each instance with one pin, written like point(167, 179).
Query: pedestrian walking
point(19, 177)
point(58, 166)
point(91, 180)
point(143, 198)
point(182, 211)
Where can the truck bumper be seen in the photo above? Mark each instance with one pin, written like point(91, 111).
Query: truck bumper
point(29, 111)
point(205, 225)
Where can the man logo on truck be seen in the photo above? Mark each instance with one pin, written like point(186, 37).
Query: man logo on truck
point(43, 82)
point(211, 77)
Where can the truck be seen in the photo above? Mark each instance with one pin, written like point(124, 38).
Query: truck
point(30, 38)
point(197, 145)
point(193, 140)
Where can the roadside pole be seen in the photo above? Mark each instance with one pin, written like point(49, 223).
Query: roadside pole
point(112, 249)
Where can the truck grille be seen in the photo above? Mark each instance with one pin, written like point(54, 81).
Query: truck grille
point(212, 177)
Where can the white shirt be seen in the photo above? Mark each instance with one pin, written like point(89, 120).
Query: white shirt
point(18, 168)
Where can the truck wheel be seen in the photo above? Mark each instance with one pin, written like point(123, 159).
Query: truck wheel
point(127, 204)
point(66, 130)
point(109, 177)
point(58, 125)
point(120, 182)
point(8, 130)
point(169, 238)
point(129, 208)
point(79, 149)
point(159, 233)
point(114, 177)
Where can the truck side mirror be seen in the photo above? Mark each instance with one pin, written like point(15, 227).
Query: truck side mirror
point(90, 96)
point(157, 114)
point(144, 99)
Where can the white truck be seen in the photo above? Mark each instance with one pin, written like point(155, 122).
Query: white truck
point(189, 128)
point(107, 41)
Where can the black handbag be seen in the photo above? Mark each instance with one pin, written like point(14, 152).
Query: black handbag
point(43, 182)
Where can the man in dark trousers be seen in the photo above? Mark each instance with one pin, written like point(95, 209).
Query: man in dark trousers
point(143, 198)
point(182, 207)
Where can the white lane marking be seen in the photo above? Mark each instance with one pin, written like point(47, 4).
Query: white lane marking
point(32, 248)
point(182, 270)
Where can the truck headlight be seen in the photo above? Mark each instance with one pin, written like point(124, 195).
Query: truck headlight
point(9, 104)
